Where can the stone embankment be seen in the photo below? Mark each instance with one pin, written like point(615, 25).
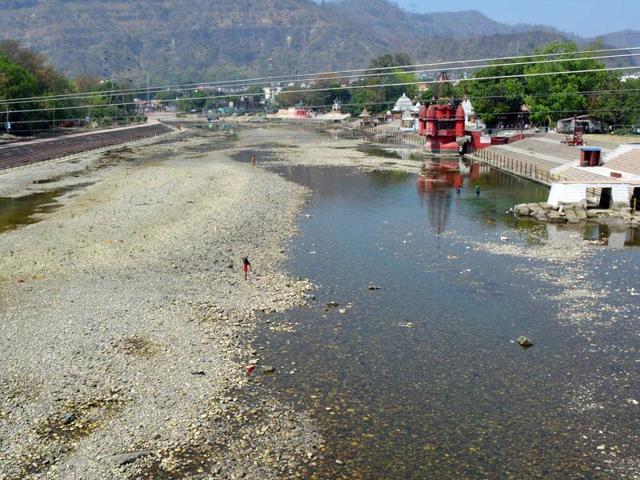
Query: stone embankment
point(577, 213)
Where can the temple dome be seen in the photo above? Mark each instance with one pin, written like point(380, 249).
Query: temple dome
point(403, 103)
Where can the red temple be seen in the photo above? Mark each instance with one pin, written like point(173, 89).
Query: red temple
point(444, 127)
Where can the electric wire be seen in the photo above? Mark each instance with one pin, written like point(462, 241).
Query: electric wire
point(350, 87)
point(416, 68)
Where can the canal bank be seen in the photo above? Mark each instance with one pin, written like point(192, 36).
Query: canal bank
point(422, 377)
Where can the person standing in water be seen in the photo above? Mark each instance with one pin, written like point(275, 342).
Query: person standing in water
point(246, 266)
point(477, 189)
point(253, 159)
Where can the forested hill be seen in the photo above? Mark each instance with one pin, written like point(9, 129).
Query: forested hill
point(195, 39)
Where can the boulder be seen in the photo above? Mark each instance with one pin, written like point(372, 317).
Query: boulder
point(525, 342)
point(572, 217)
point(555, 217)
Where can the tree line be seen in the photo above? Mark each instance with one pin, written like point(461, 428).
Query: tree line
point(24, 73)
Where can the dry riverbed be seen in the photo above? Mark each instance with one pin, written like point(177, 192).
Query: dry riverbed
point(124, 319)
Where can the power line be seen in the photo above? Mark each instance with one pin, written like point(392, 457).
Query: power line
point(350, 87)
point(416, 68)
point(391, 102)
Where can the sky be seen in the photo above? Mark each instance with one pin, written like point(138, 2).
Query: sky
point(587, 18)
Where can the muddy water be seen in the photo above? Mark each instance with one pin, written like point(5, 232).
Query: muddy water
point(422, 378)
point(18, 211)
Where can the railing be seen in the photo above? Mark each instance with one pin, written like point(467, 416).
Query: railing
point(386, 137)
point(515, 166)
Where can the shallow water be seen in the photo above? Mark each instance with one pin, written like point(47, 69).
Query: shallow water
point(422, 378)
point(18, 211)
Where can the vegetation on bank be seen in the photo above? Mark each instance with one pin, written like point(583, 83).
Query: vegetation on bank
point(25, 74)
point(515, 92)
point(518, 88)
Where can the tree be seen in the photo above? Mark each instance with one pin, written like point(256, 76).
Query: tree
point(47, 78)
point(499, 98)
point(384, 84)
point(549, 97)
point(17, 82)
point(552, 97)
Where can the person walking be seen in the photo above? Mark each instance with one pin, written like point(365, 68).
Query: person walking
point(477, 189)
point(246, 266)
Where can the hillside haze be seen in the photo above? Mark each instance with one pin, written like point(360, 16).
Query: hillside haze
point(173, 40)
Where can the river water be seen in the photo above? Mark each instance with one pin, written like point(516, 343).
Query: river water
point(422, 378)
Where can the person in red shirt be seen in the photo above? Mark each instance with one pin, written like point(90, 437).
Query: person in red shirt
point(246, 266)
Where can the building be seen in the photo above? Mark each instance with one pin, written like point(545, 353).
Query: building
point(403, 103)
point(588, 124)
point(335, 115)
point(469, 112)
point(444, 127)
point(366, 121)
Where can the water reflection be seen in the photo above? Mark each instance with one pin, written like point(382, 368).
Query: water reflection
point(614, 237)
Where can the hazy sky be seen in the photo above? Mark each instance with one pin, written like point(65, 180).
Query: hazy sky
point(584, 17)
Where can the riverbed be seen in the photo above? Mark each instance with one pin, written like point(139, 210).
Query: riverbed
point(375, 336)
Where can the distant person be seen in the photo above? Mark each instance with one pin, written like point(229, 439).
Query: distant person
point(477, 190)
point(253, 159)
point(458, 189)
point(246, 266)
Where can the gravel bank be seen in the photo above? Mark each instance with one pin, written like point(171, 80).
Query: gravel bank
point(297, 145)
point(123, 314)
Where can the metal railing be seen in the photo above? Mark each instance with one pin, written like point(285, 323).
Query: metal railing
point(515, 166)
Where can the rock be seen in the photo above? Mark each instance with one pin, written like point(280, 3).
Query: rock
point(555, 217)
point(373, 287)
point(572, 217)
point(525, 342)
point(343, 311)
point(200, 373)
point(522, 210)
point(332, 305)
point(504, 239)
point(68, 418)
point(339, 462)
point(581, 214)
point(127, 458)
point(268, 369)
